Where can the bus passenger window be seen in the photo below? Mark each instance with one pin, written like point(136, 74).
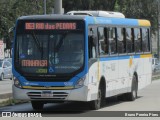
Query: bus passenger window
point(112, 41)
point(120, 40)
point(145, 40)
point(102, 37)
point(137, 40)
point(129, 41)
point(91, 47)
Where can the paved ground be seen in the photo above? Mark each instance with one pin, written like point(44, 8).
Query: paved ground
point(5, 89)
point(5, 86)
point(148, 100)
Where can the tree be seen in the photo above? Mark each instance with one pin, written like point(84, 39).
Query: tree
point(12, 9)
point(89, 5)
point(139, 9)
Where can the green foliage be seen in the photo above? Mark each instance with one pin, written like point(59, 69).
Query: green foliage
point(10, 10)
point(139, 9)
point(89, 5)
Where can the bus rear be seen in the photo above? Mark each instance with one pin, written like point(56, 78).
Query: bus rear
point(49, 60)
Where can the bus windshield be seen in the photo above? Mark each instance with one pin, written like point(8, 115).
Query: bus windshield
point(49, 52)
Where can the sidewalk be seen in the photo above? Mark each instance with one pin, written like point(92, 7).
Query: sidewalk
point(5, 89)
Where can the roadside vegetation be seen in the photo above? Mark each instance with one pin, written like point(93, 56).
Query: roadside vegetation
point(10, 10)
point(11, 101)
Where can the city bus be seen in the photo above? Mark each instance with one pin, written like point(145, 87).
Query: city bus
point(83, 58)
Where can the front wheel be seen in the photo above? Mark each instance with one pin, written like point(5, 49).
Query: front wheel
point(133, 94)
point(37, 105)
point(96, 104)
point(100, 101)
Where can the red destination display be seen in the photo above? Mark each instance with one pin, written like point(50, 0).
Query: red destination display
point(34, 63)
point(50, 26)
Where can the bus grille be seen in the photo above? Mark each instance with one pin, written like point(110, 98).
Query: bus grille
point(51, 96)
point(49, 79)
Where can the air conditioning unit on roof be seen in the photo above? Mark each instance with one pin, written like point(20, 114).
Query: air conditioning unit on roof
point(98, 13)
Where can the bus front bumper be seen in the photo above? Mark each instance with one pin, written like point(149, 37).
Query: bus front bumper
point(79, 94)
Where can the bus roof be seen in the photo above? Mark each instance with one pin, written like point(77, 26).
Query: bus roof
point(91, 19)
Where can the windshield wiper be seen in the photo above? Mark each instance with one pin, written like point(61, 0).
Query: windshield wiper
point(60, 43)
point(37, 43)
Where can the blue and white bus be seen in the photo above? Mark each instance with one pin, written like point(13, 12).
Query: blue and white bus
point(59, 58)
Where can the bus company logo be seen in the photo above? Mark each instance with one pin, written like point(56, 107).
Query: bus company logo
point(6, 114)
point(13, 114)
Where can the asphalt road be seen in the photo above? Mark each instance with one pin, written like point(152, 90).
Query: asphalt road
point(5, 86)
point(148, 100)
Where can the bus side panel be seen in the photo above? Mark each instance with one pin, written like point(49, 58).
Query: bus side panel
point(142, 66)
point(93, 81)
point(147, 60)
point(109, 70)
point(103, 68)
point(124, 75)
point(111, 75)
point(139, 69)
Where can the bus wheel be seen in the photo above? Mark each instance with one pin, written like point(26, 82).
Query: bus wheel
point(133, 94)
point(37, 105)
point(97, 104)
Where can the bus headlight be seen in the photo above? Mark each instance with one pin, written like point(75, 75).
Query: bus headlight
point(80, 82)
point(17, 83)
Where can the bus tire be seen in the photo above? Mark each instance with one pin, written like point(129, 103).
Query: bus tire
point(37, 105)
point(131, 96)
point(97, 104)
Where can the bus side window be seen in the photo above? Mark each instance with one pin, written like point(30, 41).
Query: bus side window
point(145, 40)
point(129, 41)
point(112, 41)
point(91, 47)
point(106, 41)
point(121, 40)
point(132, 39)
point(91, 44)
point(137, 40)
point(102, 37)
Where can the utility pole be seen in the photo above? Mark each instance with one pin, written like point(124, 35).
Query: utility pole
point(44, 6)
point(158, 15)
point(57, 6)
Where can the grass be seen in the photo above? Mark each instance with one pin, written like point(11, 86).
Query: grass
point(11, 101)
point(156, 78)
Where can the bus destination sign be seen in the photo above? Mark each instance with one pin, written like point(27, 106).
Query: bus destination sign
point(50, 26)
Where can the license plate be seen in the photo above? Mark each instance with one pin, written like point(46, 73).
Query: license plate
point(46, 94)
